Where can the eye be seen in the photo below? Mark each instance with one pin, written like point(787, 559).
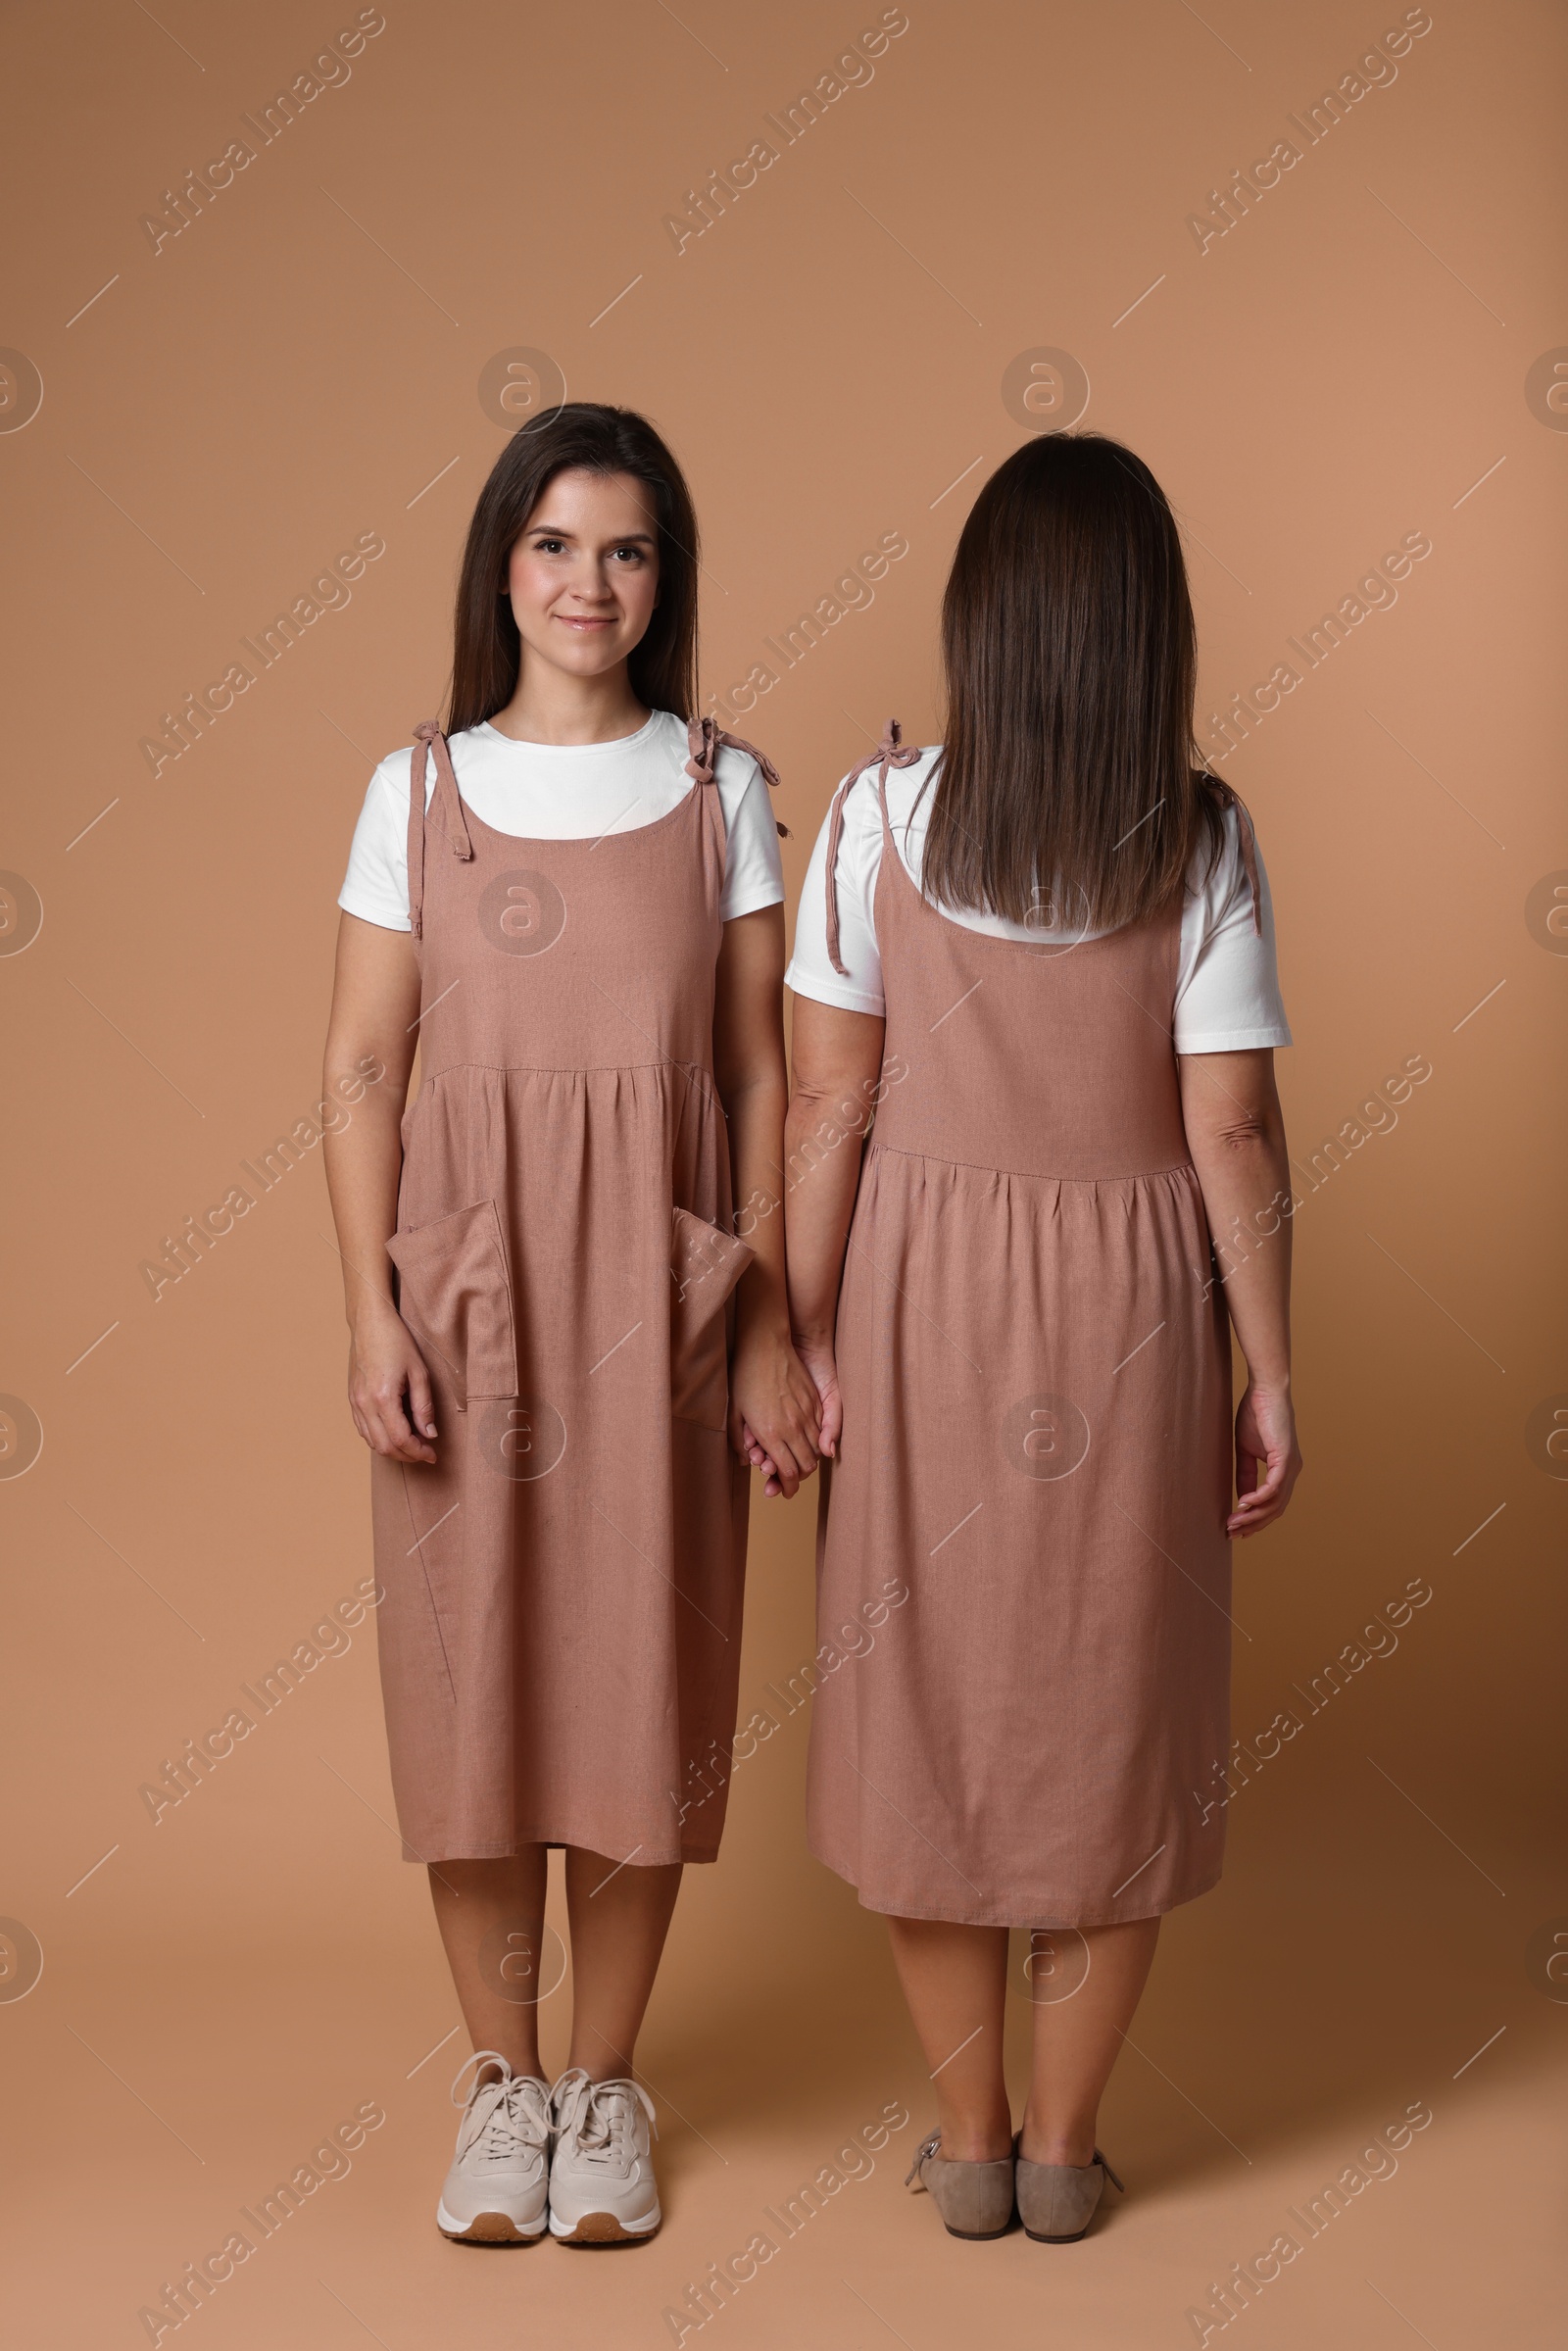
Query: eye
point(548, 545)
point(631, 555)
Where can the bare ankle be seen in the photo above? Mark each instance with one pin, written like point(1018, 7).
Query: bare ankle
point(977, 2137)
point(522, 2063)
point(981, 2149)
point(1040, 2143)
point(601, 2064)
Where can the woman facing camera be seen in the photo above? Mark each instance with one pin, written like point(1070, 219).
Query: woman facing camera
point(1045, 950)
point(568, 897)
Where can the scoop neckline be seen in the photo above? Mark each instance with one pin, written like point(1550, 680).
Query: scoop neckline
point(568, 750)
point(590, 840)
point(554, 841)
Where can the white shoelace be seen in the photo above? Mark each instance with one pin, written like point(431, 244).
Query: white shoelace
point(506, 2118)
point(595, 2118)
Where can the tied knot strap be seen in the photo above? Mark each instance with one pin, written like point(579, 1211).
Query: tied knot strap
point(446, 805)
point(704, 738)
point(891, 752)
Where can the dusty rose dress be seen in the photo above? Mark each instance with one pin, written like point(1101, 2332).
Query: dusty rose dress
point(559, 1638)
point(1036, 1380)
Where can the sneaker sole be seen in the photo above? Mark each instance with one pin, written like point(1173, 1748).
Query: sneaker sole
point(489, 2228)
point(604, 2229)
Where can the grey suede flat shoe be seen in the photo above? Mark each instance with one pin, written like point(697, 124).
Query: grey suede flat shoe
point(1057, 2201)
point(974, 2199)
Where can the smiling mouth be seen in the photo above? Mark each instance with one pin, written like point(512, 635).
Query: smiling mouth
point(584, 620)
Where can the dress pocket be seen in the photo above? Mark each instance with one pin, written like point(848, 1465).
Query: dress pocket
point(456, 1297)
point(705, 1265)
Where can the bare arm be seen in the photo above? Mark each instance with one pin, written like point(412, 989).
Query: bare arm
point(838, 1061)
point(375, 1010)
point(1236, 1133)
point(772, 1403)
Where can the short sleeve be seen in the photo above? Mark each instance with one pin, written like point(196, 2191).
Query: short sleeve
point(1228, 992)
point(810, 971)
point(753, 871)
point(375, 887)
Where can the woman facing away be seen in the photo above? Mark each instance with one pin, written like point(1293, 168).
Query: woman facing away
point(571, 900)
point(1046, 952)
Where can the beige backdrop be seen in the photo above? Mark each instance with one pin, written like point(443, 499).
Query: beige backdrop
point(988, 220)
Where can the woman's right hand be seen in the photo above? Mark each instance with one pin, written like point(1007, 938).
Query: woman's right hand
point(385, 1368)
point(1268, 1460)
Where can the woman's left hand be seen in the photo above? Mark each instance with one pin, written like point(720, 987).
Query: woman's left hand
point(775, 1416)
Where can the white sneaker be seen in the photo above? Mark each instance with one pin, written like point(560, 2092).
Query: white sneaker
point(498, 2189)
point(602, 2186)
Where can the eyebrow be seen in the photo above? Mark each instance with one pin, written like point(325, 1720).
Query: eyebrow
point(624, 538)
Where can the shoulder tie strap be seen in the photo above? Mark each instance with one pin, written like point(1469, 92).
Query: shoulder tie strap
point(1232, 799)
point(891, 752)
point(704, 738)
point(446, 807)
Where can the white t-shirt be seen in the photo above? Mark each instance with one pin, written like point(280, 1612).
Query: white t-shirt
point(564, 792)
point(1227, 988)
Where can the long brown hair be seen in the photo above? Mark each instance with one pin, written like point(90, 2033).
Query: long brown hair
point(1069, 649)
point(486, 649)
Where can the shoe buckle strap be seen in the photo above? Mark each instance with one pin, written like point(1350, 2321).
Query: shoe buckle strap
point(927, 2147)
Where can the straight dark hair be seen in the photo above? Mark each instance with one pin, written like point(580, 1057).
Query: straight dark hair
point(486, 649)
point(1069, 770)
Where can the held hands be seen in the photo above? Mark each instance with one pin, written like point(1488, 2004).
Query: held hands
point(817, 1356)
point(785, 1413)
point(774, 1413)
point(1268, 1460)
point(385, 1368)
point(775, 1416)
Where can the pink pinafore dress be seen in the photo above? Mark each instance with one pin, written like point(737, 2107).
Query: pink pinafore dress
point(560, 1638)
point(1037, 1449)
